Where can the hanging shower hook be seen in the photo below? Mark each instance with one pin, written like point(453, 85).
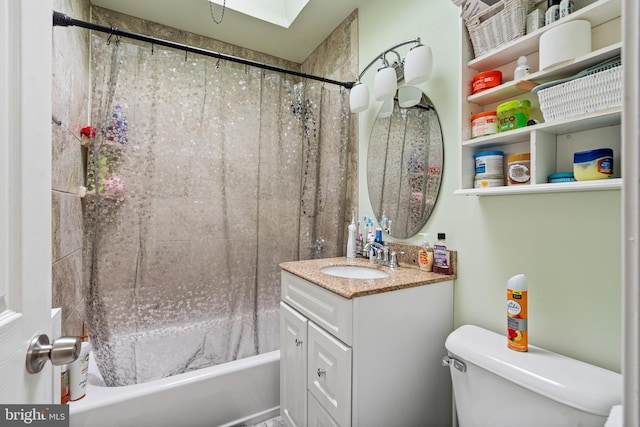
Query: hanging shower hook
point(151, 48)
point(185, 52)
point(114, 32)
point(218, 63)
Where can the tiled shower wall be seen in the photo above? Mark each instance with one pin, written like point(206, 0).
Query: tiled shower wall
point(70, 103)
point(335, 58)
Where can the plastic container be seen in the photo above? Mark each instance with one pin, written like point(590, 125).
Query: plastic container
point(517, 312)
point(485, 123)
point(522, 69)
point(513, 114)
point(553, 12)
point(518, 169)
point(488, 182)
point(489, 164)
point(593, 164)
point(425, 255)
point(441, 256)
point(561, 177)
point(352, 232)
point(79, 372)
point(486, 80)
point(566, 8)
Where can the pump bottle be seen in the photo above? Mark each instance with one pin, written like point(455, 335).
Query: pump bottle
point(425, 255)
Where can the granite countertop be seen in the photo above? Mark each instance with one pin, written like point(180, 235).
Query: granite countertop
point(399, 278)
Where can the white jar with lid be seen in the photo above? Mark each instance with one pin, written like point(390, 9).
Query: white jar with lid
point(489, 164)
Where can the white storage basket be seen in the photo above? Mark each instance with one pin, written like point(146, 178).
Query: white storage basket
point(586, 95)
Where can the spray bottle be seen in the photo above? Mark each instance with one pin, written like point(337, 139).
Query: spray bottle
point(517, 337)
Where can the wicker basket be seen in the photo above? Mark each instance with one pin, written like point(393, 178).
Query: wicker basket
point(504, 21)
point(586, 95)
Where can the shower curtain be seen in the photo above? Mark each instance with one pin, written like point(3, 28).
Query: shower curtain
point(203, 176)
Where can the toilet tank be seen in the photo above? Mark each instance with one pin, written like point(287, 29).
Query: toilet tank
point(494, 386)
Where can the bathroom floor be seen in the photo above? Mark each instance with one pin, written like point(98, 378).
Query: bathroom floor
point(272, 422)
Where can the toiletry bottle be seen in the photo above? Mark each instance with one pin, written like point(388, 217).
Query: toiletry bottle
point(522, 69)
point(378, 238)
point(553, 12)
point(425, 255)
point(64, 385)
point(441, 261)
point(79, 373)
point(352, 237)
point(517, 337)
point(566, 8)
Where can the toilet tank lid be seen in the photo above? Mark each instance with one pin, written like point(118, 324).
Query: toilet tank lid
point(571, 382)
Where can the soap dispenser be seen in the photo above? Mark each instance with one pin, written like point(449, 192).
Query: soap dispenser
point(425, 255)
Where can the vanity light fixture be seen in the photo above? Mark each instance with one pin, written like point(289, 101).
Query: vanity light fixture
point(414, 68)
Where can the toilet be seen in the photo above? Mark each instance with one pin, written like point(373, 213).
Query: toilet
point(494, 386)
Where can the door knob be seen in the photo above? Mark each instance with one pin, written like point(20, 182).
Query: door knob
point(62, 351)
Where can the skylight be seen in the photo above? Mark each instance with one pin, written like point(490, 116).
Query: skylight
point(278, 12)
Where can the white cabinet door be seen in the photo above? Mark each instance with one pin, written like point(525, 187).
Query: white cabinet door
point(329, 374)
point(318, 416)
point(293, 367)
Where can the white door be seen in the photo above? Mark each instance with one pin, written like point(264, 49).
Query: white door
point(25, 195)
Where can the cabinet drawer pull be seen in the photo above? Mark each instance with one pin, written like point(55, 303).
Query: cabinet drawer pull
point(321, 372)
point(299, 342)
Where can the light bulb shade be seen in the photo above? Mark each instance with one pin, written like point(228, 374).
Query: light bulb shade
point(418, 65)
point(359, 98)
point(408, 96)
point(386, 110)
point(385, 84)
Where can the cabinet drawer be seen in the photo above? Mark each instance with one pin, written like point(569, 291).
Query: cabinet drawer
point(318, 416)
point(329, 373)
point(330, 311)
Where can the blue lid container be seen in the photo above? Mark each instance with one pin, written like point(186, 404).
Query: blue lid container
point(561, 177)
point(591, 155)
point(488, 153)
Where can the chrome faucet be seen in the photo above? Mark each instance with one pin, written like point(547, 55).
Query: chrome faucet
point(377, 253)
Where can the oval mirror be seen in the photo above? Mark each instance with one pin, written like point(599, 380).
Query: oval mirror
point(404, 165)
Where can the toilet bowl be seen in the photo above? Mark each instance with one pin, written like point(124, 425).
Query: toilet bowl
point(494, 386)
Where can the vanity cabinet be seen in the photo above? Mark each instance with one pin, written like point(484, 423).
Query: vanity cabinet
point(551, 145)
point(372, 360)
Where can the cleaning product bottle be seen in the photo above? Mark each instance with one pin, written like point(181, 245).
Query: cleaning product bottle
point(566, 8)
point(522, 69)
point(441, 257)
point(425, 255)
point(352, 236)
point(517, 337)
point(79, 372)
point(553, 12)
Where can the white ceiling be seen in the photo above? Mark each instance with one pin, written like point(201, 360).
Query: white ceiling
point(314, 23)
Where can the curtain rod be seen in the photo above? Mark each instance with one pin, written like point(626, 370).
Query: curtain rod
point(63, 20)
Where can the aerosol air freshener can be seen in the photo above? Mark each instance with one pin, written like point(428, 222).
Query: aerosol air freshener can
point(517, 337)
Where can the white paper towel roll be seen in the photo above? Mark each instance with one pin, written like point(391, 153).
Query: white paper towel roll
point(565, 42)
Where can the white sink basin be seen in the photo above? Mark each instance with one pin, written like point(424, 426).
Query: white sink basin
point(353, 272)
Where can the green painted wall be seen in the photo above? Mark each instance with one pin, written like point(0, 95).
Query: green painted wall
point(568, 244)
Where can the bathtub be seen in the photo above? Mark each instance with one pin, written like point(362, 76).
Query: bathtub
point(232, 394)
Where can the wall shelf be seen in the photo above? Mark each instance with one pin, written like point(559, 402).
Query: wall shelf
point(551, 144)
